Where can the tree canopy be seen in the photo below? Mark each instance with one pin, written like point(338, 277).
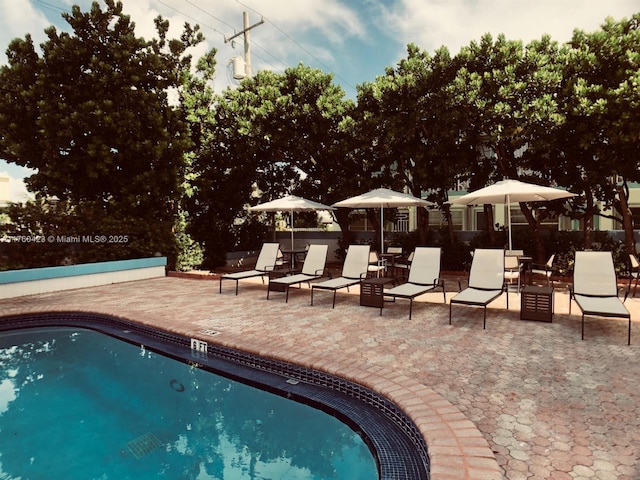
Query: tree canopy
point(91, 114)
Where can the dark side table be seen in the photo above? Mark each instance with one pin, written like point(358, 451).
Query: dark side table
point(372, 292)
point(536, 303)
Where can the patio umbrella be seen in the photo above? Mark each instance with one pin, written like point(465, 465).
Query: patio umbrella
point(382, 198)
point(507, 191)
point(291, 204)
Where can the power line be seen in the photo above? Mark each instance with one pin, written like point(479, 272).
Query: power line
point(283, 64)
point(211, 15)
point(298, 44)
point(52, 7)
point(253, 42)
point(192, 18)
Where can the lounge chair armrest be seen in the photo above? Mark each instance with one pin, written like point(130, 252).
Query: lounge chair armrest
point(539, 266)
point(542, 267)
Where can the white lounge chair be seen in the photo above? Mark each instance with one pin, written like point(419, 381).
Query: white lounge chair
point(424, 276)
point(312, 269)
point(595, 289)
point(486, 281)
point(512, 269)
point(403, 266)
point(377, 265)
point(266, 263)
point(353, 271)
point(545, 269)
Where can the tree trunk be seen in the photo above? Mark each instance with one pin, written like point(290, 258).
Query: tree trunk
point(446, 210)
point(627, 219)
point(491, 224)
point(534, 228)
point(587, 229)
point(423, 225)
point(373, 217)
point(342, 217)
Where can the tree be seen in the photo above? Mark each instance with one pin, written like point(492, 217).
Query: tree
point(91, 114)
point(412, 137)
point(275, 134)
point(602, 134)
point(508, 93)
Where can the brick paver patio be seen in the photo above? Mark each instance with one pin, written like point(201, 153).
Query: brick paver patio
point(519, 400)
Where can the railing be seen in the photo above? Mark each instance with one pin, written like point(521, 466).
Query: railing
point(401, 225)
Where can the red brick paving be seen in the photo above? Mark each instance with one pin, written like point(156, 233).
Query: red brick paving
point(519, 400)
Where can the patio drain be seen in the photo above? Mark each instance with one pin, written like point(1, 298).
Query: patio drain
point(144, 445)
point(210, 333)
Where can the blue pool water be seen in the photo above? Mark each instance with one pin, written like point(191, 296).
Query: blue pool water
point(77, 404)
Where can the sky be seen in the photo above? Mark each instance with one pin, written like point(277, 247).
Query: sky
point(352, 39)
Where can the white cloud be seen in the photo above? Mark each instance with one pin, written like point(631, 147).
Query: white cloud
point(294, 31)
point(18, 192)
point(456, 23)
point(7, 395)
point(334, 19)
point(18, 19)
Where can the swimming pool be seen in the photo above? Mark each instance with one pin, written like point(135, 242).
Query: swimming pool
point(172, 427)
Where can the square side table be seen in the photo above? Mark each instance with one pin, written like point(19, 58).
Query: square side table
point(372, 291)
point(536, 304)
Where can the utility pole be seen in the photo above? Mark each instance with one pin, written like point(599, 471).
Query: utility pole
point(247, 44)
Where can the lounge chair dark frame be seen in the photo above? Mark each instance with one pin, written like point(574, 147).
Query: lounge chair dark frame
point(283, 284)
point(486, 301)
point(348, 280)
point(601, 313)
point(257, 272)
point(427, 287)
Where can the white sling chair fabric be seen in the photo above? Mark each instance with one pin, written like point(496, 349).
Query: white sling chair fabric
point(266, 262)
point(424, 276)
point(354, 269)
point(595, 287)
point(312, 269)
point(486, 281)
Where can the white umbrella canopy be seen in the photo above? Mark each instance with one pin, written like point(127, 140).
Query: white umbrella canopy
point(291, 204)
point(383, 198)
point(508, 191)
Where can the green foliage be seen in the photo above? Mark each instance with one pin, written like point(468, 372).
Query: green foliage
point(258, 138)
point(408, 129)
point(599, 138)
point(190, 255)
point(92, 117)
point(41, 235)
point(565, 244)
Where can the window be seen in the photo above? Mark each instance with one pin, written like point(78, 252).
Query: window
point(437, 220)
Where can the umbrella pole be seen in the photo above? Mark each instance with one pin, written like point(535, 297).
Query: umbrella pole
point(293, 255)
point(509, 220)
point(292, 220)
point(381, 230)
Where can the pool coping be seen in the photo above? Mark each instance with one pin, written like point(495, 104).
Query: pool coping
point(395, 442)
point(457, 449)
